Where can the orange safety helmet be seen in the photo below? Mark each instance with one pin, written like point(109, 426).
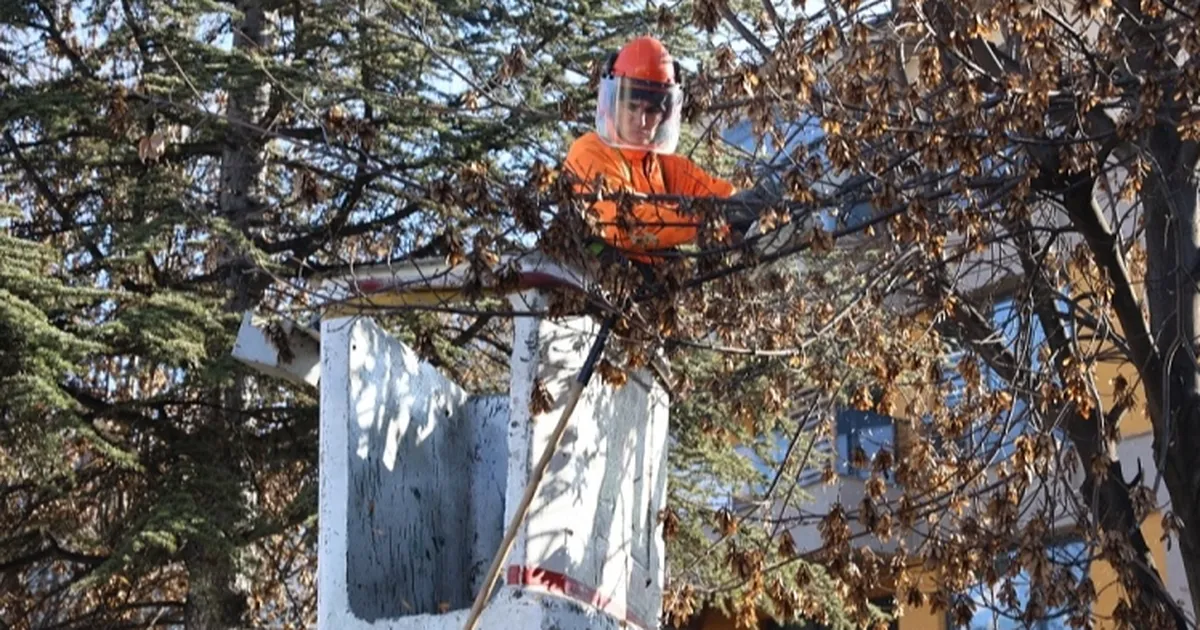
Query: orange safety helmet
point(640, 80)
point(644, 58)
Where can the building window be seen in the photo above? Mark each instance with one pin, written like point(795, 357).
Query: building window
point(993, 438)
point(996, 610)
point(866, 430)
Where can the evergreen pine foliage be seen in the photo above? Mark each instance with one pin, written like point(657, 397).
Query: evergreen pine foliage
point(167, 165)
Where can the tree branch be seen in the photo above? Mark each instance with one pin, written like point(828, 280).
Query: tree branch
point(306, 244)
point(51, 550)
point(471, 331)
point(1094, 440)
point(745, 32)
point(1088, 218)
point(48, 193)
point(63, 45)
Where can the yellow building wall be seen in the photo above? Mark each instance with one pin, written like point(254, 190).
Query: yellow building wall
point(923, 618)
point(1108, 590)
point(1135, 422)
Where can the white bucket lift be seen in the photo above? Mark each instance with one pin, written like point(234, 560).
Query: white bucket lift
point(418, 477)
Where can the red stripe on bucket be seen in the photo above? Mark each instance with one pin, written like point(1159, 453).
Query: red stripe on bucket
point(567, 586)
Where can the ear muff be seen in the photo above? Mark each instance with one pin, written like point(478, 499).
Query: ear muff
point(607, 69)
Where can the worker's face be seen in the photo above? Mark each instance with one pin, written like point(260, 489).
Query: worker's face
point(639, 121)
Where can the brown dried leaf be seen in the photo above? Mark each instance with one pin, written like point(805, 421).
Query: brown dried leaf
point(670, 522)
point(726, 522)
point(540, 401)
point(151, 147)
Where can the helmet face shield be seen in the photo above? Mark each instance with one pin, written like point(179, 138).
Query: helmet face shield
point(637, 114)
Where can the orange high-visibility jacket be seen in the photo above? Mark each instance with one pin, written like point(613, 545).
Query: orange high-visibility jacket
point(656, 225)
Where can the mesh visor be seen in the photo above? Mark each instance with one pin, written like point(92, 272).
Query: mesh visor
point(640, 115)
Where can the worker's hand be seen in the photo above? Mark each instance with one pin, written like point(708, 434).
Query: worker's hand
point(767, 242)
point(741, 216)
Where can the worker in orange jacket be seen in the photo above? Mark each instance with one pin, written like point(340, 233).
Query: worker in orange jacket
point(638, 111)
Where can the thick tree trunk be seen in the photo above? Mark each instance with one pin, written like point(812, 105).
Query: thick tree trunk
point(1108, 494)
point(1163, 350)
point(1095, 435)
point(214, 601)
point(1173, 270)
point(1190, 553)
point(1106, 491)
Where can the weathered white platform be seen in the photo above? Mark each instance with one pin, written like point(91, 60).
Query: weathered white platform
point(593, 528)
point(282, 349)
point(418, 476)
point(403, 450)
